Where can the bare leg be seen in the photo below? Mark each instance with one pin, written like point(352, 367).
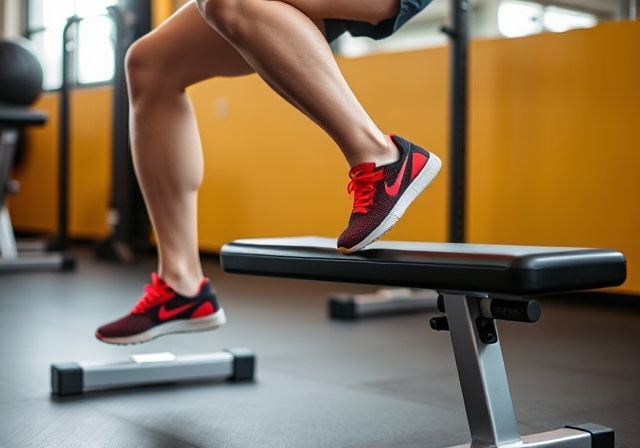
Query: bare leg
point(166, 146)
point(284, 43)
point(286, 48)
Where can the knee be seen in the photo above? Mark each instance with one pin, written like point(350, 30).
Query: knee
point(139, 68)
point(225, 16)
point(144, 68)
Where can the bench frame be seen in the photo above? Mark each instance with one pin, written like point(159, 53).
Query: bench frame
point(485, 388)
point(31, 255)
point(511, 274)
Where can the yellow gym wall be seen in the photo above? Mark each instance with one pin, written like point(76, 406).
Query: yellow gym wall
point(34, 208)
point(270, 171)
point(553, 150)
point(552, 138)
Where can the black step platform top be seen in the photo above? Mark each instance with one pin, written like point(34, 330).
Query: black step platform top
point(21, 116)
point(482, 268)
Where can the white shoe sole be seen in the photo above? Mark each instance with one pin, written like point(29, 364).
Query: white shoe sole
point(207, 323)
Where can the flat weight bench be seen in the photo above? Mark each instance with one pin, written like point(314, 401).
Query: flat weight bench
point(478, 284)
point(13, 256)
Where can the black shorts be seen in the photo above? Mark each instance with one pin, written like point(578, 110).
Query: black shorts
point(408, 9)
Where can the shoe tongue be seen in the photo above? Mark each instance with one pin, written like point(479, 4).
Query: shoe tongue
point(156, 280)
point(362, 168)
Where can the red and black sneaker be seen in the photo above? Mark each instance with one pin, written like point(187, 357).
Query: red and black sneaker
point(162, 311)
point(382, 194)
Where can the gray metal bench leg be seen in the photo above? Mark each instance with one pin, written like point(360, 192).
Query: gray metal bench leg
point(485, 388)
point(8, 248)
point(8, 142)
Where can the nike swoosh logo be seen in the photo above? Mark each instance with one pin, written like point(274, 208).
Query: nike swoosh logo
point(392, 190)
point(165, 314)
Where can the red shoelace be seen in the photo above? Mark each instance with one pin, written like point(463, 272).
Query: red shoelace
point(154, 293)
point(362, 186)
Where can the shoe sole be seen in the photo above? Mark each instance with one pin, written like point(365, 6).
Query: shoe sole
point(430, 171)
point(207, 323)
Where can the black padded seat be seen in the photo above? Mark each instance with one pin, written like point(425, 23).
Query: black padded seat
point(505, 269)
point(19, 116)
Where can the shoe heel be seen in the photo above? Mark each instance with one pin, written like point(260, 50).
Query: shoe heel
point(211, 322)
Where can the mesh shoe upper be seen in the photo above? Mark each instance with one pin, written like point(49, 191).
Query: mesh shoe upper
point(380, 194)
point(158, 305)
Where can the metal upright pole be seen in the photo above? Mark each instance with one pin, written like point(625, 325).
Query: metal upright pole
point(127, 216)
point(458, 34)
point(117, 245)
point(68, 41)
point(627, 10)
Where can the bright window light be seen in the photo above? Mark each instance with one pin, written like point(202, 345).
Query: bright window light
point(560, 19)
point(516, 18)
point(88, 8)
point(51, 14)
point(96, 56)
point(93, 53)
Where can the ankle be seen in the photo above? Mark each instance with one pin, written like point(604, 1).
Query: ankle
point(387, 153)
point(185, 284)
point(393, 152)
point(381, 150)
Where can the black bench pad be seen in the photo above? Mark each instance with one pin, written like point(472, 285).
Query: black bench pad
point(513, 270)
point(21, 116)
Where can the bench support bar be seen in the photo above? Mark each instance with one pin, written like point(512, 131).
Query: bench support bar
point(482, 374)
point(485, 388)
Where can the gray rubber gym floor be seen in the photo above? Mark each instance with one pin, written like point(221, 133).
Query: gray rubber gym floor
point(383, 382)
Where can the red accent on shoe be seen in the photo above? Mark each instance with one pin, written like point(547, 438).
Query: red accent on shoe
point(393, 189)
point(418, 162)
point(203, 310)
point(165, 314)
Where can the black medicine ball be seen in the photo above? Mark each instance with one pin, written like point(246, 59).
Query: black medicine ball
point(20, 74)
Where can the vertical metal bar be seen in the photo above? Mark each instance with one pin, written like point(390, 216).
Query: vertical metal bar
point(127, 217)
point(8, 142)
point(61, 239)
point(482, 374)
point(627, 10)
point(121, 190)
point(8, 247)
point(458, 119)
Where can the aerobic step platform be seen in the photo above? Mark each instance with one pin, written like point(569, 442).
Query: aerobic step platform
point(74, 378)
point(382, 302)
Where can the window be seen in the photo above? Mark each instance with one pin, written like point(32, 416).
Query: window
point(487, 19)
point(521, 18)
point(560, 19)
point(93, 49)
point(517, 19)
